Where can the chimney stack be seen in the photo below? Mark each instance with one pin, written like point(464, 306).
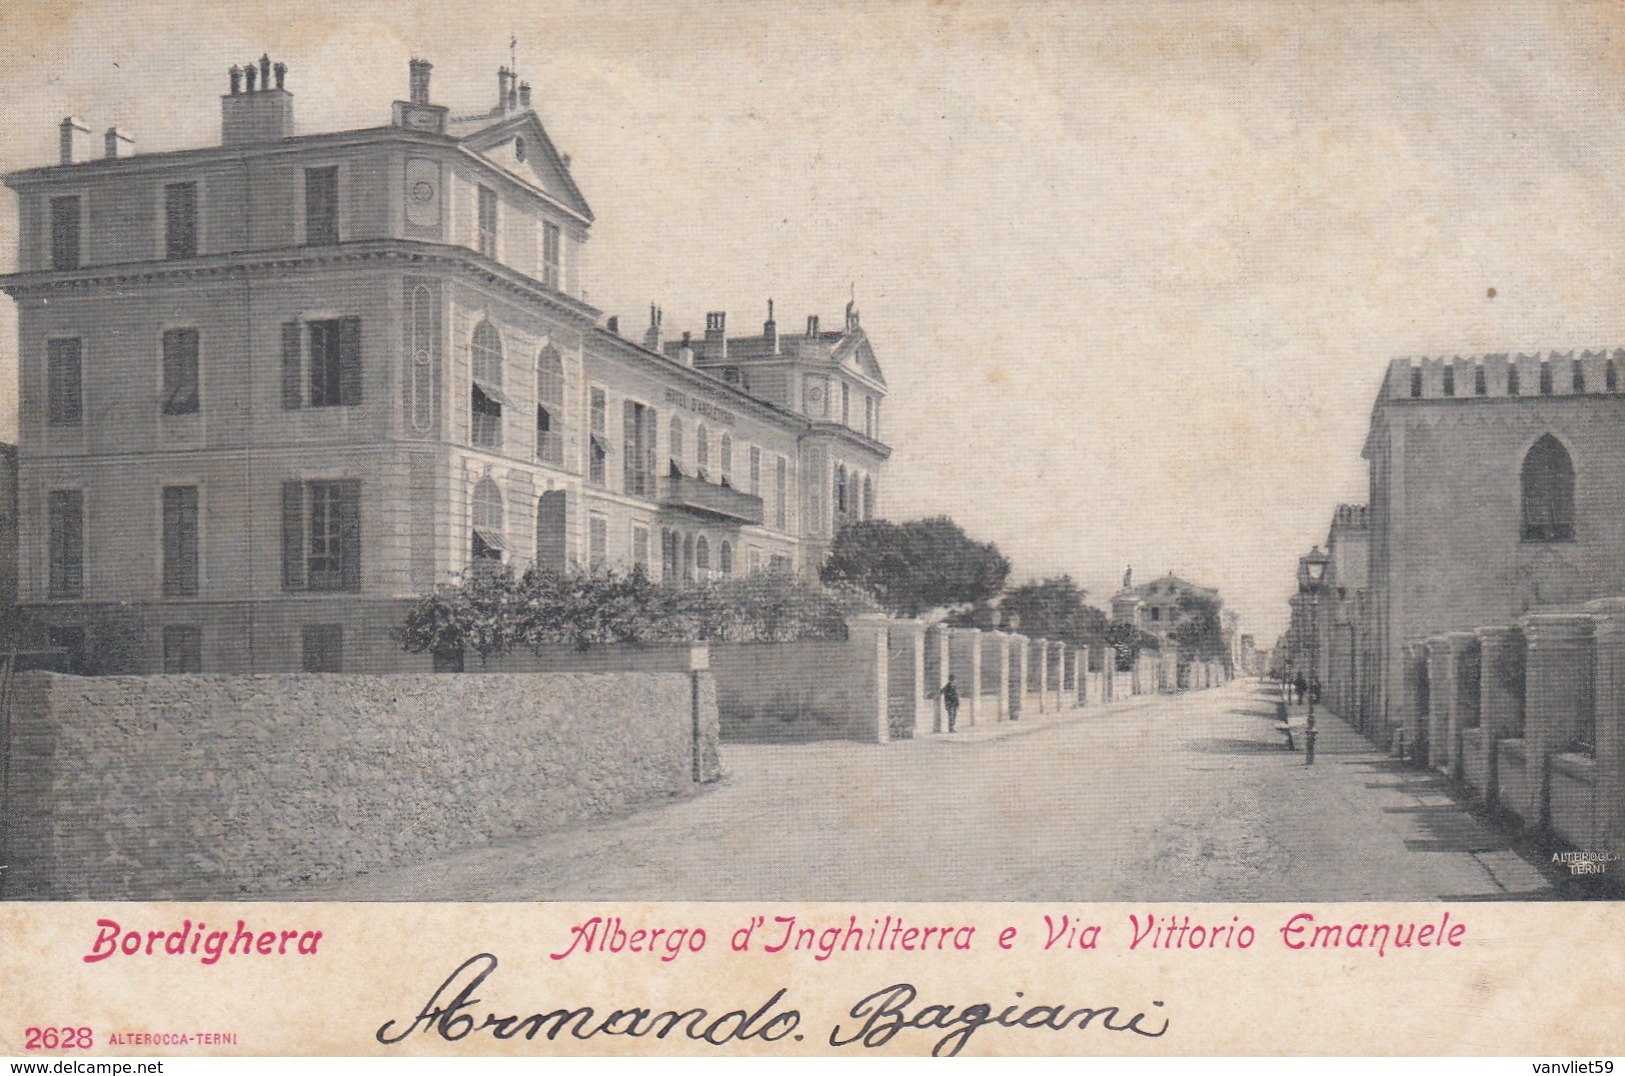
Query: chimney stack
point(67, 138)
point(770, 330)
point(614, 325)
point(812, 324)
point(524, 95)
point(416, 113)
point(716, 335)
point(260, 112)
point(651, 337)
point(111, 140)
point(419, 93)
point(685, 354)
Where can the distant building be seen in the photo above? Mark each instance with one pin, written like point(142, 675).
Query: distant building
point(273, 389)
point(1154, 607)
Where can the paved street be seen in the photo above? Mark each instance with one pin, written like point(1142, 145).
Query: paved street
point(1163, 798)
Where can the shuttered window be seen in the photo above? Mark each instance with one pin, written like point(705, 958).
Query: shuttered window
point(180, 542)
point(322, 205)
point(321, 535)
point(65, 232)
point(323, 647)
point(321, 363)
point(180, 372)
point(183, 648)
point(550, 254)
point(63, 403)
point(488, 222)
point(180, 220)
point(66, 538)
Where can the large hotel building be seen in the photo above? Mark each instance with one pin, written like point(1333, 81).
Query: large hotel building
point(272, 390)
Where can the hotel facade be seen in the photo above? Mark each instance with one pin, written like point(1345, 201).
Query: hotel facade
point(270, 391)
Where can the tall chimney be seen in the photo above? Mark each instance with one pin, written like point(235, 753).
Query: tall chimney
point(67, 133)
point(111, 140)
point(651, 336)
point(503, 75)
point(812, 324)
point(614, 324)
point(420, 69)
point(716, 335)
point(770, 330)
point(262, 112)
point(685, 354)
point(524, 95)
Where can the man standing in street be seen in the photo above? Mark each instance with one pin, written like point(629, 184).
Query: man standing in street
point(950, 700)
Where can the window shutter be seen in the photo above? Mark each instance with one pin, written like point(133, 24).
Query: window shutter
point(293, 535)
point(292, 354)
point(349, 361)
point(350, 533)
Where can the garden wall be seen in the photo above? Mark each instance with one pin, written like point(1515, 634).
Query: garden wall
point(171, 787)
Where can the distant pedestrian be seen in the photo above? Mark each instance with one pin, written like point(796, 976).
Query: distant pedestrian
point(1314, 692)
point(1300, 685)
point(950, 701)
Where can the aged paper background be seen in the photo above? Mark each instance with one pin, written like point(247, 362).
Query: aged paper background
point(1133, 275)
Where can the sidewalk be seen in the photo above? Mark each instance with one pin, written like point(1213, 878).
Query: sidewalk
point(1033, 721)
point(1421, 813)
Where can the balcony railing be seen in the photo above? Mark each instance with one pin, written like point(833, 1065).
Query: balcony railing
point(695, 495)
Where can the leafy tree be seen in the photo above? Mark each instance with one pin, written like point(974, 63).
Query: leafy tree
point(1054, 609)
point(914, 566)
point(1128, 640)
point(1199, 630)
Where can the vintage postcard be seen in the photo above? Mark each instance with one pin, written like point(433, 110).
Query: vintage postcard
point(839, 528)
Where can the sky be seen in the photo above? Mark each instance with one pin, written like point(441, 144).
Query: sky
point(1133, 272)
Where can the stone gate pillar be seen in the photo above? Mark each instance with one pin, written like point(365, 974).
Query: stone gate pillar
point(868, 637)
point(1559, 646)
point(1410, 704)
point(1609, 699)
point(1497, 715)
point(1036, 660)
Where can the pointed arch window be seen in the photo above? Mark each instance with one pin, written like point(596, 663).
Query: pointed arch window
point(702, 453)
point(702, 557)
point(725, 558)
point(1548, 492)
point(840, 489)
point(485, 357)
point(727, 461)
point(550, 406)
point(488, 543)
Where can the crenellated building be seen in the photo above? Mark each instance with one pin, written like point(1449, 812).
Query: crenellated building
point(273, 389)
point(1497, 489)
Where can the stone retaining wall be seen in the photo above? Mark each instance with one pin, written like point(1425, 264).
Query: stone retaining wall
point(172, 787)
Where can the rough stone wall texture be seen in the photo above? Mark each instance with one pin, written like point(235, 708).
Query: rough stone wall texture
point(224, 787)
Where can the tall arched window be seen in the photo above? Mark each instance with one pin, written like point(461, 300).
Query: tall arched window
point(485, 358)
point(1548, 492)
point(668, 555)
point(550, 406)
point(725, 558)
point(688, 559)
point(488, 541)
point(677, 463)
point(868, 497)
point(702, 556)
point(702, 451)
point(840, 489)
point(727, 462)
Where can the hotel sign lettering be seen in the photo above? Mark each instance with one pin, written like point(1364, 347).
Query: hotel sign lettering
point(699, 407)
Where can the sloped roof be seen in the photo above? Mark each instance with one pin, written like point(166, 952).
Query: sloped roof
point(543, 166)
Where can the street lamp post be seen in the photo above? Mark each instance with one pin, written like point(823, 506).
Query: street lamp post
point(1311, 572)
